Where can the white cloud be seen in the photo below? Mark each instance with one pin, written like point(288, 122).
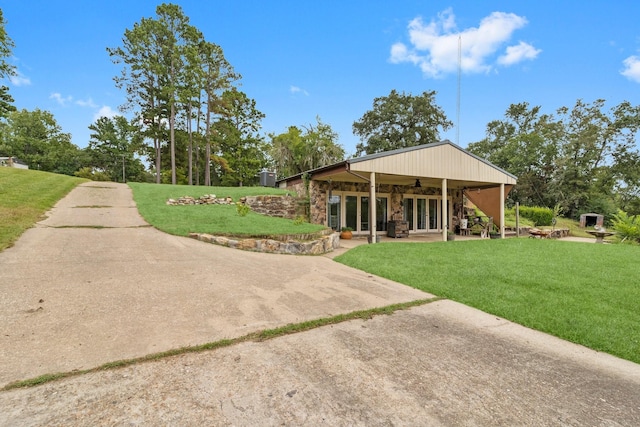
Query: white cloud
point(434, 46)
point(86, 103)
point(296, 89)
point(105, 111)
point(20, 80)
point(518, 53)
point(632, 68)
point(60, 99)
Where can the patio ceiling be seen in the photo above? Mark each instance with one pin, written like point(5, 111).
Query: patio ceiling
point(408, 180)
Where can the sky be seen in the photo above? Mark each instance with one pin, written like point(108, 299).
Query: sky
point(301, 60)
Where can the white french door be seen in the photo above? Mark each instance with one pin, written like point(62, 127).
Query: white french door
point(423, 213)
point(352, 210)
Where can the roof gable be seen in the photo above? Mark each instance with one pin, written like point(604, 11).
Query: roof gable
point(438, 160)
point(429, 163)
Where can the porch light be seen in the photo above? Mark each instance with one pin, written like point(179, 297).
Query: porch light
point(417, 185)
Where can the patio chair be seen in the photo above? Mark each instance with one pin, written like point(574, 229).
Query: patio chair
point(487, 228)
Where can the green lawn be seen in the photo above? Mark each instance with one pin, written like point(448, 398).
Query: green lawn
point(25, 195)
point(214, 219)
point(585, 293)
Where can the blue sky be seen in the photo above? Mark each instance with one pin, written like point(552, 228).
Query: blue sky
point(301, 59)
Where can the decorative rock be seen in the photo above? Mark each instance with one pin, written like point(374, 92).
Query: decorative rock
point(207, 199)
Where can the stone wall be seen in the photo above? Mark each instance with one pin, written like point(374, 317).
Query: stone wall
point(323, 242)
point(207, 199)
point(277, 206)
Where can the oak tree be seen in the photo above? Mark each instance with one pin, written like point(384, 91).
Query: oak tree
point(400, 120)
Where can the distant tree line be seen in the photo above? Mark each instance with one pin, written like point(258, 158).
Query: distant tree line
point(189, 121)
point(583, 159)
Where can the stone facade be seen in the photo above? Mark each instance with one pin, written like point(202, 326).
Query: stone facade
point(319, 192)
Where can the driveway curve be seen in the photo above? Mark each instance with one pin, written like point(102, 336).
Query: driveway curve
point(94, 283)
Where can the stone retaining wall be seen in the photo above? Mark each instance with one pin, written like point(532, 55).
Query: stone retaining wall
point(278, 206)
point(325, 242)
point(207, 199)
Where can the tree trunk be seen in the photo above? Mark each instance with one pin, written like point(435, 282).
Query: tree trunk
point(190, 148)
point(156, 144)
point(172, 126)
point(207, 158)
point(159, 153)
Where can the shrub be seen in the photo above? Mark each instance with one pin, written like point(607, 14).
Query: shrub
point(627, 227)
point(539, 215)
point(89, 173)
point(242, 209)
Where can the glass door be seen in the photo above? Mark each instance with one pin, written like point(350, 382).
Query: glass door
point(351, 212)
point(408, 212)
point(421, 214)
point(434, 214)
point(334, 213)
point(364, 213)
point(416, 213)
point(381, 213)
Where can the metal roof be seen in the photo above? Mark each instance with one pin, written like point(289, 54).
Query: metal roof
point(463, 168)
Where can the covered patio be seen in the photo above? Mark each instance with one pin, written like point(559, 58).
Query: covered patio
point(422, 188)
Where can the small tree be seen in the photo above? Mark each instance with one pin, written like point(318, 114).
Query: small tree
point(299, 150)
point(627, 227)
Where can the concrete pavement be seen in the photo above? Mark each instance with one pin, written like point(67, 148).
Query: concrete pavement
point(94, 283)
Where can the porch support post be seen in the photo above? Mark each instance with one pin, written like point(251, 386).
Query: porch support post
point(502, 211)
point(445, 208)
point(372, 207)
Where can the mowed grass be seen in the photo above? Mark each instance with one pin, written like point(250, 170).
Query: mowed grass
point(585, 293)
point(25, 195)
point(213, 219)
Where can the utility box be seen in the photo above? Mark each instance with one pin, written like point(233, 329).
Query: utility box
point(267, 179)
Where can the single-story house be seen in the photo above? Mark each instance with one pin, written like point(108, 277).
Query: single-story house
point(421, 186)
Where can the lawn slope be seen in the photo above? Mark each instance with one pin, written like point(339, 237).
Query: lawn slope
point(25, 195)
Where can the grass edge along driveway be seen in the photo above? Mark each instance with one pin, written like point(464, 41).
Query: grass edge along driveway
point(584, 293)
point(26, 195)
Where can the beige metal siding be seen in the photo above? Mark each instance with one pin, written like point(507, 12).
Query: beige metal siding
point(442, 161)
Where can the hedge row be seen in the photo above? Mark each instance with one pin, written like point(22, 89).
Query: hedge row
point(540, 216)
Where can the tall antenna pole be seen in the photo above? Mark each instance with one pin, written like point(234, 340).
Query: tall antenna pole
point(458, 101)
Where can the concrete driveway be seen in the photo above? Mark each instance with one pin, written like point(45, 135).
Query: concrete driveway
point(94, 283)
